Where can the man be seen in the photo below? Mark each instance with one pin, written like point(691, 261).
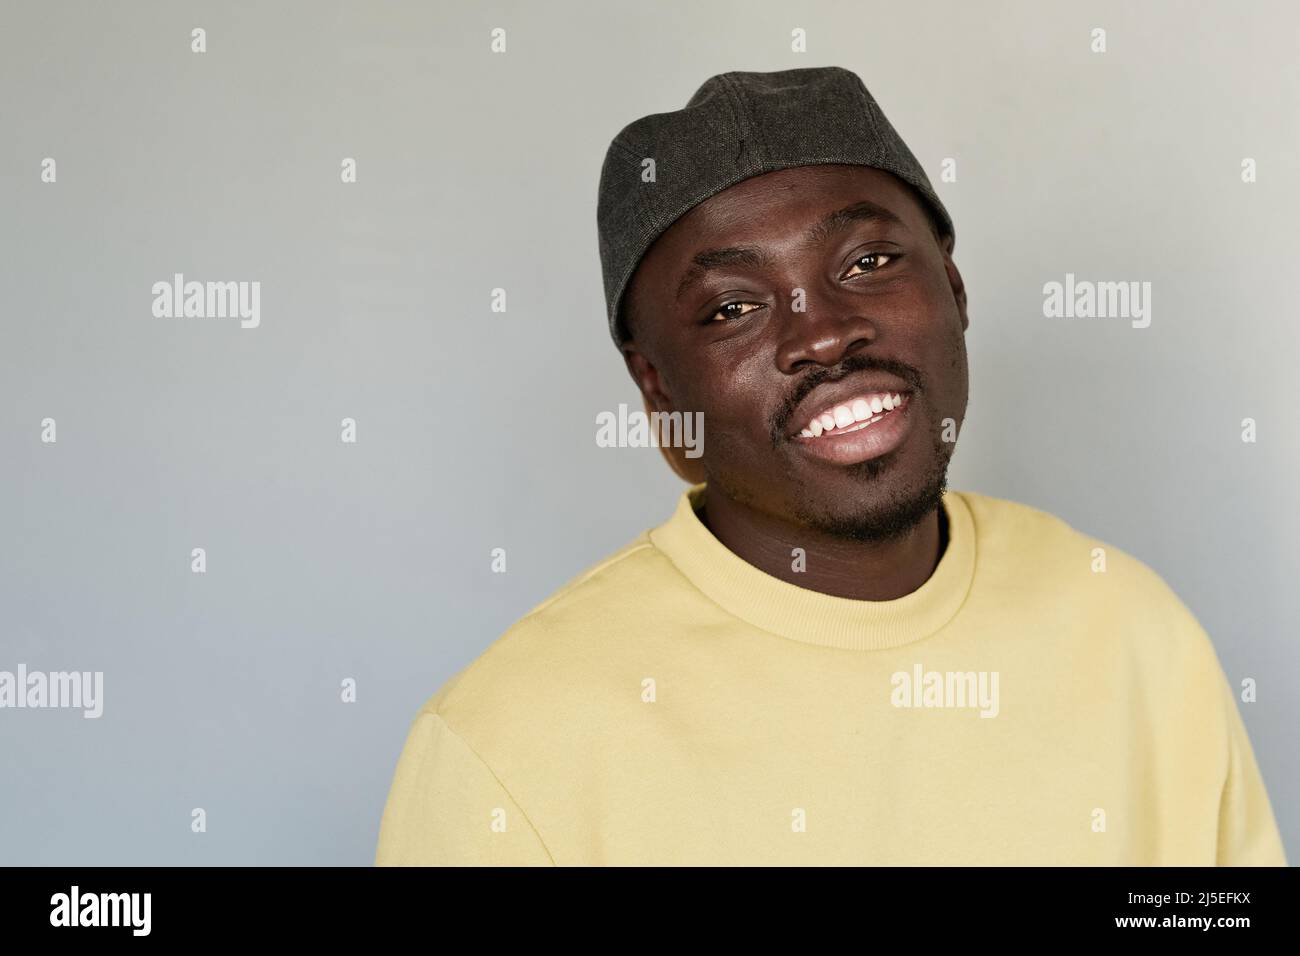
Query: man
point(823, 656)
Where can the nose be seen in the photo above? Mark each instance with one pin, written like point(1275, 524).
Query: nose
point(823, 334)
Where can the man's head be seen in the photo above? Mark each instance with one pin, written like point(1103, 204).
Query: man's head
point(790, 307)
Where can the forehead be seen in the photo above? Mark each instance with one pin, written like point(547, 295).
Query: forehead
point(773, 208)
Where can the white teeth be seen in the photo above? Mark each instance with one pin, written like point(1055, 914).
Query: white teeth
point(859, 410)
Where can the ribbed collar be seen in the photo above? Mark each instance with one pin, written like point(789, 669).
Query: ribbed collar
point(804, 615)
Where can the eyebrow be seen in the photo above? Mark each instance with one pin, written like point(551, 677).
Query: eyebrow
point(710, 260)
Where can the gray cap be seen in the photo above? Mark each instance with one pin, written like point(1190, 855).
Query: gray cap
point(737, 125)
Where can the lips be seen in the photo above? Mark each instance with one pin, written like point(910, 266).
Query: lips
point(853, 420)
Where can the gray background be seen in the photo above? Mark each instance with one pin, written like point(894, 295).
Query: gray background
point(476, 430)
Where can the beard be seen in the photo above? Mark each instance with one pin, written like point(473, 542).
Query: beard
point(893, 518)
point(878, 521)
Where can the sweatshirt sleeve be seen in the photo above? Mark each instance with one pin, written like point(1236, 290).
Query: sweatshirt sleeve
point(1248, 834)
point(447, 808)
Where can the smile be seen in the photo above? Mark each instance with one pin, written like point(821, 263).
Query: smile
point(852, 415)
point(865, 427)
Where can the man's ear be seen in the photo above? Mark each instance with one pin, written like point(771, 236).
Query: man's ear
point(646, 376)
point(954, 280)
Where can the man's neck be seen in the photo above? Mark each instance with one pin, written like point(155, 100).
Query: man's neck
point(862, 570)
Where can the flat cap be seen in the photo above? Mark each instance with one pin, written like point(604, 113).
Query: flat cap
point(737, 125)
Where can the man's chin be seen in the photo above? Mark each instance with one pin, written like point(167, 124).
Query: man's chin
point(878, 515)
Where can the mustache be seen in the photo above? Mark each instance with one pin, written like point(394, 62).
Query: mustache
point(854, 363)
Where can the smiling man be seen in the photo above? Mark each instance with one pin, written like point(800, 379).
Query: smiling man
point(823, 656)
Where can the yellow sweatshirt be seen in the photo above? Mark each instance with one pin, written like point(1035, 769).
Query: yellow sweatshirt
point(1036, 701)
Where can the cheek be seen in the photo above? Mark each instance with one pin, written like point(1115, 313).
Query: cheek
point(948, 369)
point(750, 390)
point(941, 338)
point(736, 399)
point(955, 349)
point(715, 385)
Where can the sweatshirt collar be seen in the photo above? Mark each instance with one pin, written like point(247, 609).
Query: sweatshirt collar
point(810, 616)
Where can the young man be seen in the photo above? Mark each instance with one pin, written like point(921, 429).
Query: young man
point(823, 656)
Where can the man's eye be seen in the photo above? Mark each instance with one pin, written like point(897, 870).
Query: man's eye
point(733, 310)
point(877, 260)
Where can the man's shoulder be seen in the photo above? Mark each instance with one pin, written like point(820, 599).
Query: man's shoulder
point(1019, 544)
point(603, 582)
point(1004, 523)
point(1009, 530)
point(565, 646)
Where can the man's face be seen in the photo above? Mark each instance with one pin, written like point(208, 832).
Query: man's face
point(790, 296)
